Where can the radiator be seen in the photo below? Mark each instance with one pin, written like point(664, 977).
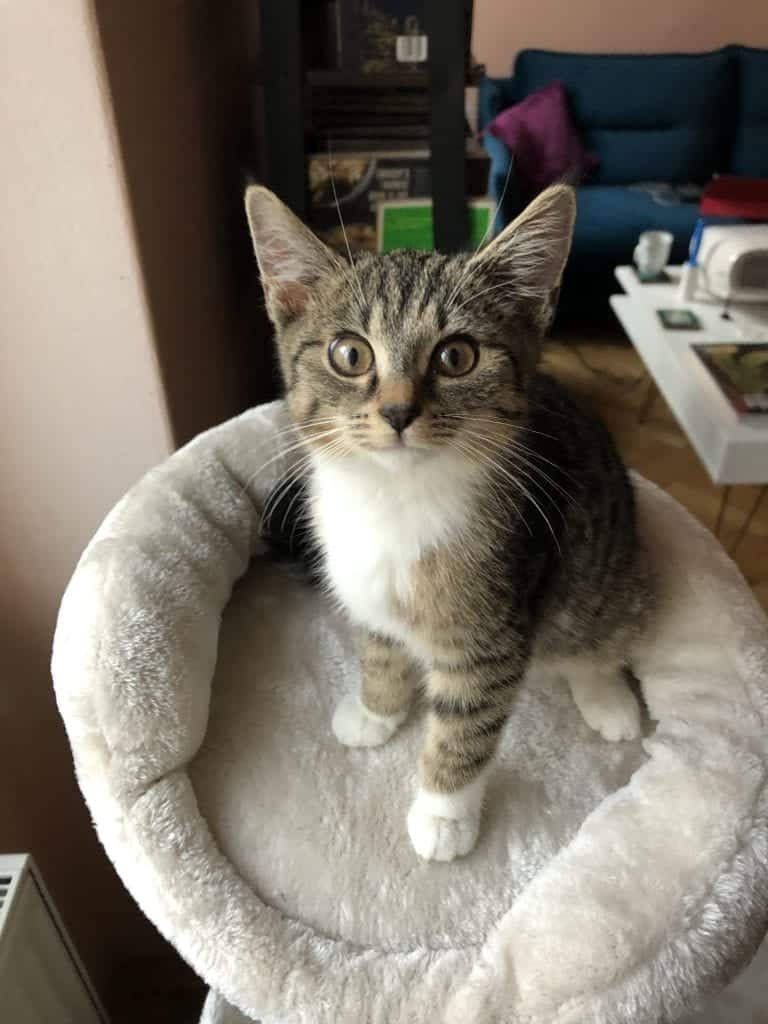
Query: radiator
point(42, 980)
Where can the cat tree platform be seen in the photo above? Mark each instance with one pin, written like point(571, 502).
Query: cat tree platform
point(611, 883)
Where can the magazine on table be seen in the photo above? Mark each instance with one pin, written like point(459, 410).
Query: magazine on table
point(741, 372)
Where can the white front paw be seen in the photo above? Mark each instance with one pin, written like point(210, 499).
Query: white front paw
point(616, 716)
point(436, 838)
point(355, 726)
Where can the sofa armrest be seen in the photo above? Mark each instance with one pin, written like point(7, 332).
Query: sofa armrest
point(493, 96)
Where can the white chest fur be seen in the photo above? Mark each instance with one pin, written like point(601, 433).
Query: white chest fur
point(376, 519)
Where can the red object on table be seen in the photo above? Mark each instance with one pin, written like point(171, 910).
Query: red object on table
point(728, 196)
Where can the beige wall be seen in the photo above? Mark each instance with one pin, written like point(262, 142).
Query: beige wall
point(81, 416)
point(179, 77)
point(124, 309)
point(502, 27)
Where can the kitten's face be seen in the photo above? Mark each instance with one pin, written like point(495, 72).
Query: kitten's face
point(402, 356)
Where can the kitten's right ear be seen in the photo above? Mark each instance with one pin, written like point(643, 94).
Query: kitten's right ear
point(291, 259)
point(532, 250)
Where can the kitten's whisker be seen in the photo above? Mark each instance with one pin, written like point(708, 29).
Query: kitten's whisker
point(294, 474)
point(492, 222)
point(524, 428)
point(531, 459)
point(296, 437)
point(285, 452)
point(281, 489)
point(501, 451)
point(307, 438)
point(521, 427)
point(287, 513)
point(294, 434)
point(457, 287)
point(484, 291)
point(522, 465)
point(535, 503)
point(314, 422)
point(468, 267)
point(499, 504)
point(467, 449)
point(529, 467)
point(515, 444)
point(303, 512)
point(282, 455)
point(305, 443)
point(360, 296)
point(517, 483)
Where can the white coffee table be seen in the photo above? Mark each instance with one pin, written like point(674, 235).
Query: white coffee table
point(733, 450)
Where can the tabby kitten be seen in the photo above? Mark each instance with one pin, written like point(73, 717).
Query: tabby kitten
point(470, 515)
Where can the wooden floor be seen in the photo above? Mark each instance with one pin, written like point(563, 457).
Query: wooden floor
point(611, 377)
point(155, 990)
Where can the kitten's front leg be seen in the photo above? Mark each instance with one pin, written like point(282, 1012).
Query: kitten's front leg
point(468, 707)
point(390, 680)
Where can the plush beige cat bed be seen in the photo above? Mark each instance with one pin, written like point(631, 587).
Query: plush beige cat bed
point(611, 883)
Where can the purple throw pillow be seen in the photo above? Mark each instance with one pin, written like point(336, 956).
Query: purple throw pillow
point(542, 138)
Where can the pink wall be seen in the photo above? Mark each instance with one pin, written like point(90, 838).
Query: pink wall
point(119, 337)
point(502, 27)
point(82, 414)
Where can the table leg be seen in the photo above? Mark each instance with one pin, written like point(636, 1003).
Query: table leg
point(750, 516)
point(724, 496)
point(650, 396)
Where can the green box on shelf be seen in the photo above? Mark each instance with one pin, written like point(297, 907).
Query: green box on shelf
point(407, 223)
point(360, 180)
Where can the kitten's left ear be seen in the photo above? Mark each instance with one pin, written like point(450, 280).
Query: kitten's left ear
point(532, 250)
point(291, 259)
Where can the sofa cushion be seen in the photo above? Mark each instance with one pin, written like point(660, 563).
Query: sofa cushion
point(750, 147)
point(540, 133)
point(656, 117)
point(610, 218)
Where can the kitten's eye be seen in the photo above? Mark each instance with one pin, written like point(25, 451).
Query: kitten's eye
point(455, 357)
point(350, 356)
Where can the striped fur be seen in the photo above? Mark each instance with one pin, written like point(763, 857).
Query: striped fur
point(498, 527)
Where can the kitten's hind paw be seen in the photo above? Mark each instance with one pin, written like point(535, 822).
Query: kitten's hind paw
point(436, 838)
point(615, 715)
point(355, 726)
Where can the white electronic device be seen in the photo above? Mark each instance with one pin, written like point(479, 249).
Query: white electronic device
point(733, 262)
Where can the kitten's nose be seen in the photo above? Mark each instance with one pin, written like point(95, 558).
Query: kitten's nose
point(399, 416)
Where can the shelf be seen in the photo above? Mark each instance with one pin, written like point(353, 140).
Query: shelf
point(321, 78)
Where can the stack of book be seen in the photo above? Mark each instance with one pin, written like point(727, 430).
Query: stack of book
point(366, 79)
point(350, 110)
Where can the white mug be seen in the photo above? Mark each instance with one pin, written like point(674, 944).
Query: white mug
point(652, 253)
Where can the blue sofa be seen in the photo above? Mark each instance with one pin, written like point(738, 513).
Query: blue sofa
point(672, 118)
